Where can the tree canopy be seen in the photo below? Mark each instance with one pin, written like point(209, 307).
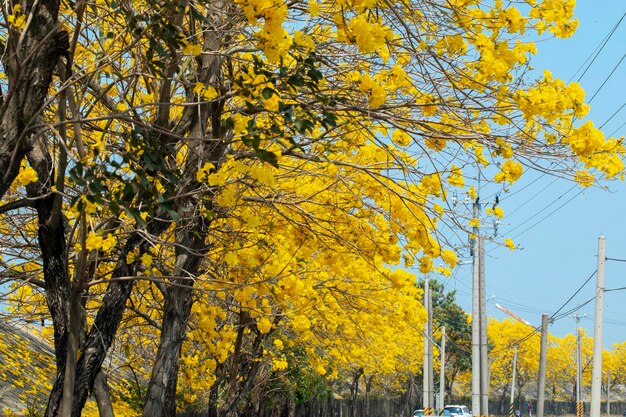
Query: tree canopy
point(212, 194)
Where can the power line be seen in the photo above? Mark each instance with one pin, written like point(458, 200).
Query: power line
point(607, 78)
point(616, 130)
point(615, 322)
point(600, 47)
point(574, 295)
point(575, 309)
point(613, 115)
point(616, 289)
point(552, 317)
point(549, 214)
point(534, 196)
point(509, 195)
point(615, 259)
point(610, 321)
point(597, 52)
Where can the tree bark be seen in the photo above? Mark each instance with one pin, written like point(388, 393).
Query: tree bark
point(354, 391)
point(52, 243)
point(108, 318)
point(213, 396)
point(160, 400)
point(29, 66)
point(161, 397)
point(103, 399)
point(368, 388)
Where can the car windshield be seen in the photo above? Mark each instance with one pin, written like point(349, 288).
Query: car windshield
point(455, 410)
point(465, 410)
point(418, 413)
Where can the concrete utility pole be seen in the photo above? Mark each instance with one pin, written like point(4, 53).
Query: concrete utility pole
point(579, 400)
point(596, 371)
point(541, 379)
point(512, 403)
point(476, 331)
point(428, 380)
point(484, 364)
point(425, 373)
point(608, 392)
point(431, 377)
point(442, 370)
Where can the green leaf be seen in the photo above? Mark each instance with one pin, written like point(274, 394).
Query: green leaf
point(267, 93)
point(267, 156)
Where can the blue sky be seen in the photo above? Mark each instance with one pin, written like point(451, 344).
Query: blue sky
point(555, 223)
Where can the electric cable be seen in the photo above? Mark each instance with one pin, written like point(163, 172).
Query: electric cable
point(538, 328)
point(612, 116)
point(508, 195)
point(595, 55)
point(615, 259)
point(573, 310)
point(576, 293)
point(533, 197)
point(616, 130)
point(601, 47)
point(549, 214)
point(607, 79)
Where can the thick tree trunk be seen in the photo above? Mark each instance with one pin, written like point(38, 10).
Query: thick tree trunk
point(160, 400)
point(103, 399)
point(161, 396)
point(51, 237)
point(29, 72)
point(29, 66)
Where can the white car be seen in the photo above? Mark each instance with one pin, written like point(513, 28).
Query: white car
point(458, 410)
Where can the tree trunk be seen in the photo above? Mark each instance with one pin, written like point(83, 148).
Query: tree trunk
point(250, 368)
point(103, 399)
point(29, 72)
point(161, 396)
point(368, 387)
point(160, 400)
point(354, 391)
point(213, 396)
point(52, 243)
point(233, 388)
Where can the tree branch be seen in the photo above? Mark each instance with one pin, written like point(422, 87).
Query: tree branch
point(18, 204)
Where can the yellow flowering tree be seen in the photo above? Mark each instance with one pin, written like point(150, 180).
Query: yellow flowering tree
point(504, 335)
point(616, 363)
point(239, 178)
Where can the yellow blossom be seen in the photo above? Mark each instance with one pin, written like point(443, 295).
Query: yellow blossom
point(192, 49)
point(474, 222)
point(26, 175)
point(264, 325)
point(510, 172)
point(400, 137)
